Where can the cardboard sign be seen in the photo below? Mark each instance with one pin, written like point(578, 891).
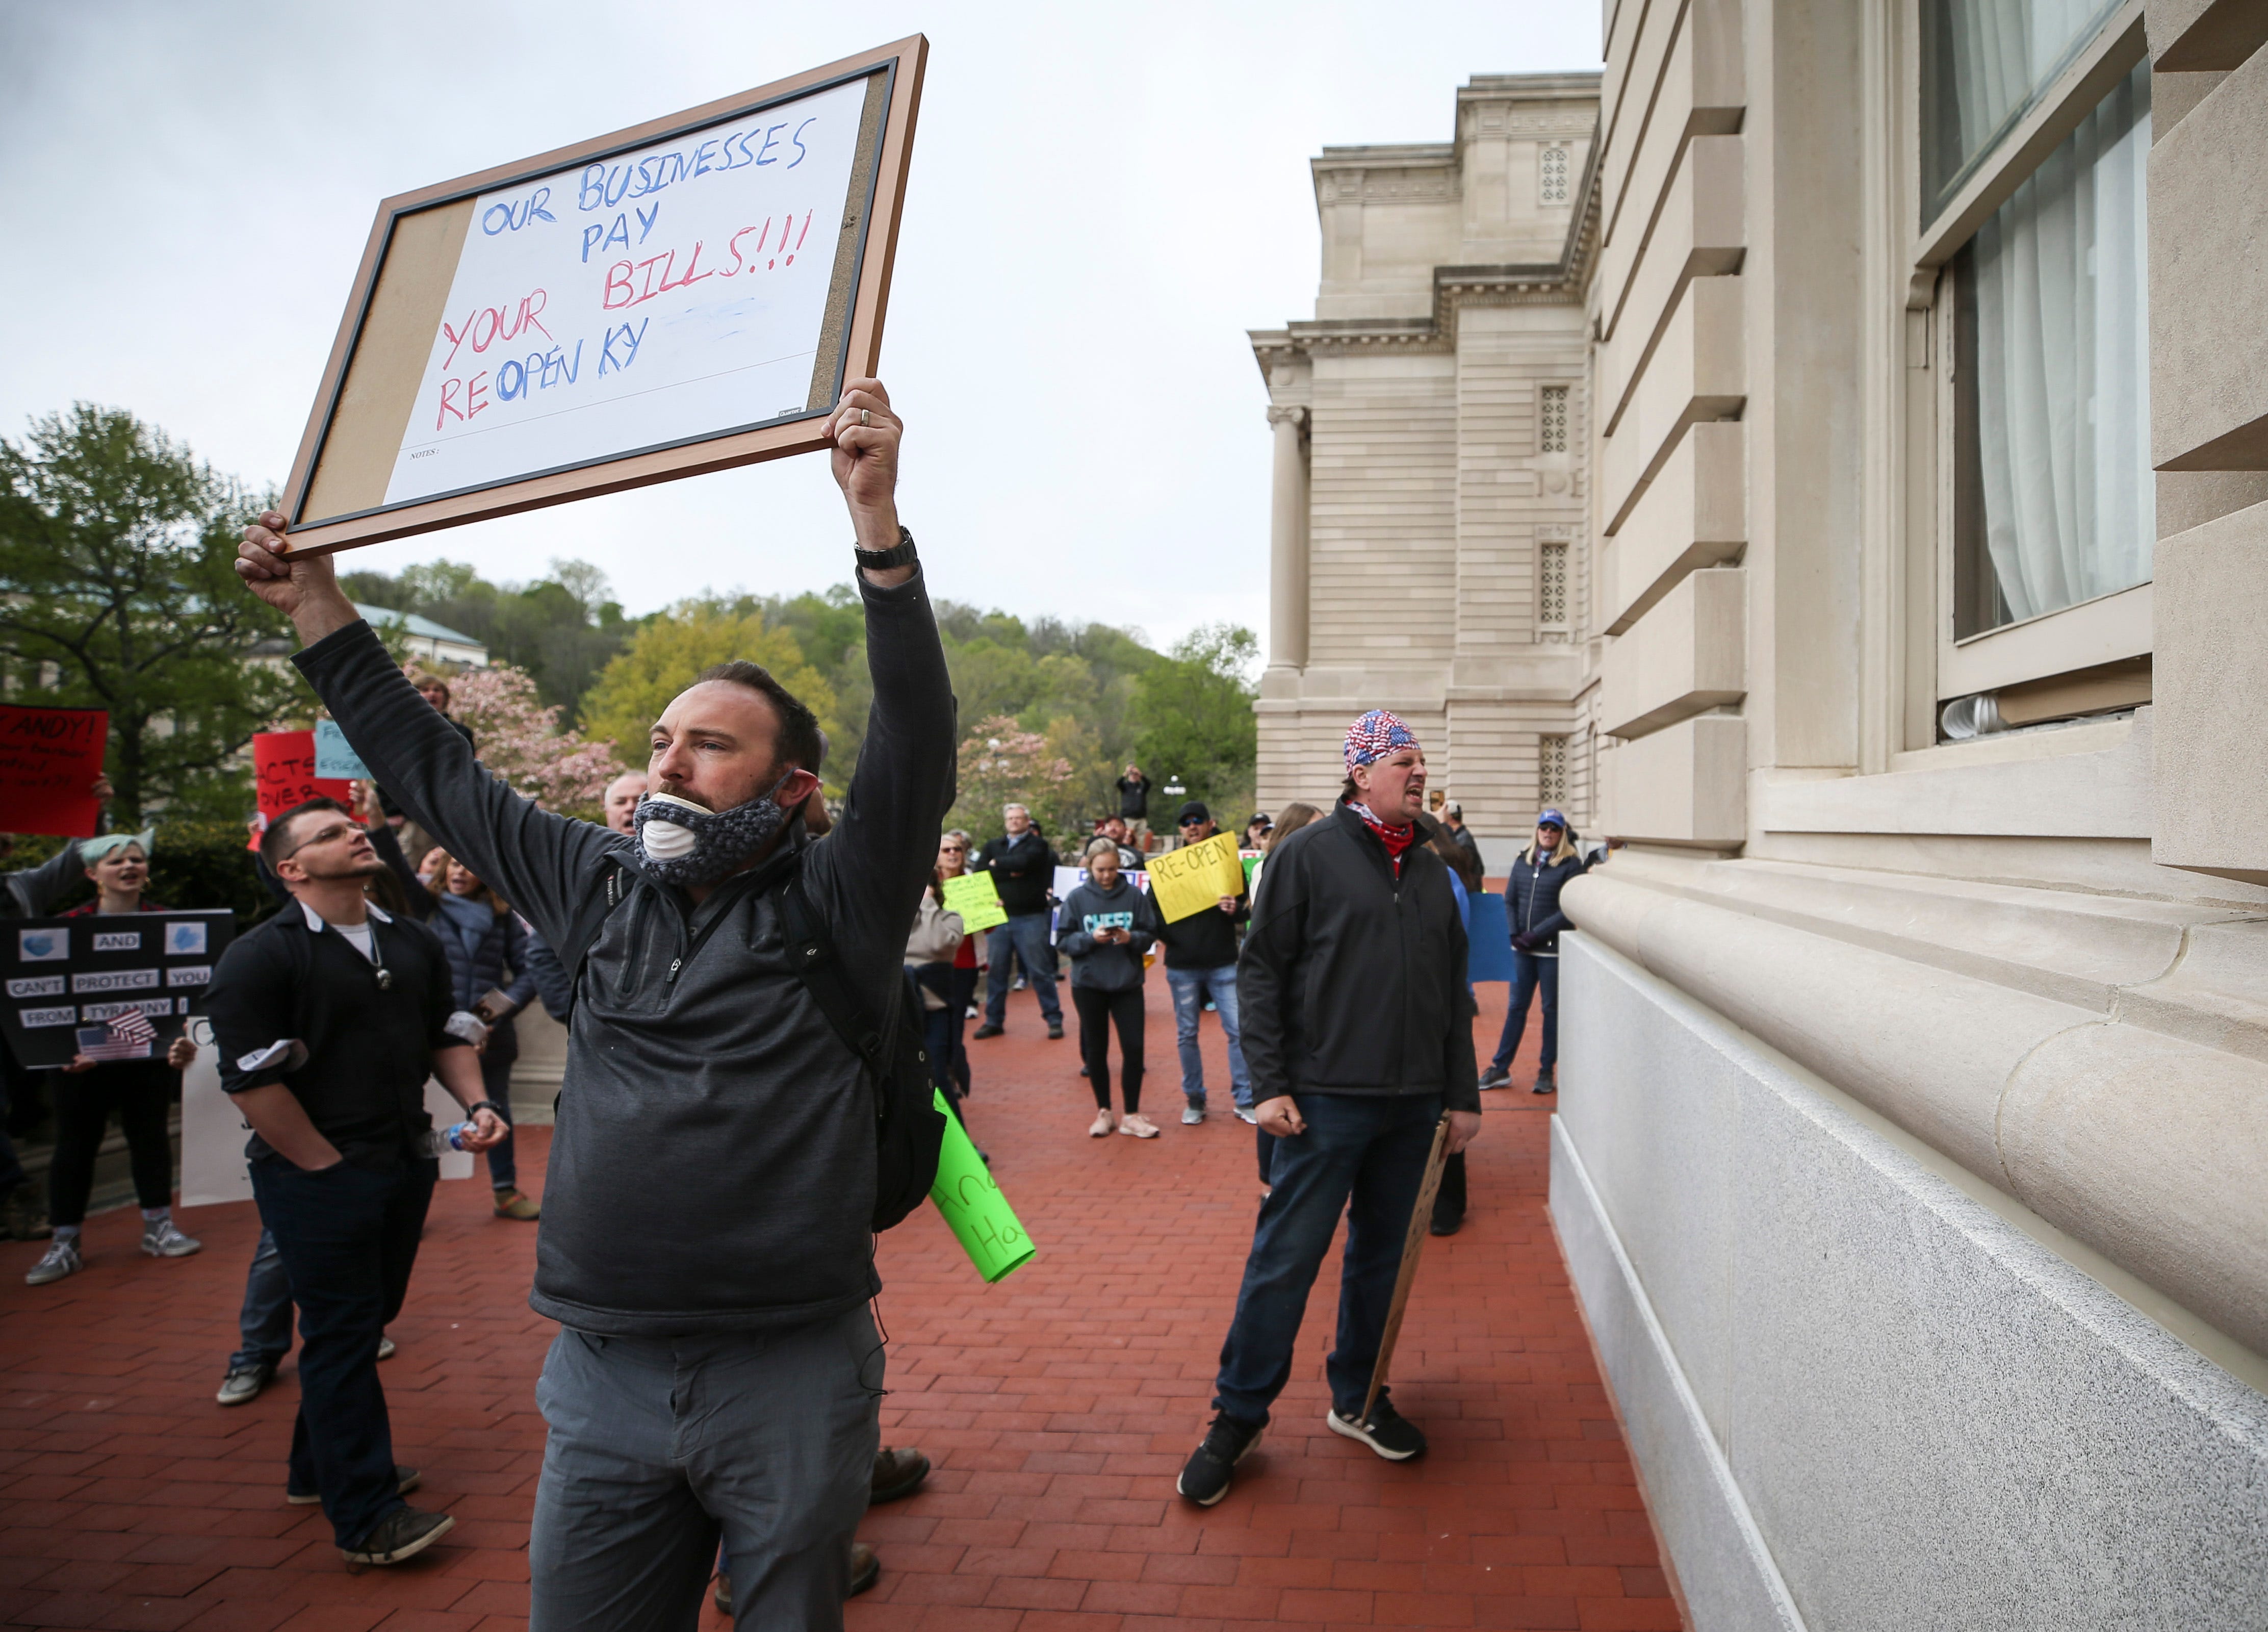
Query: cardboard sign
point(50, 758)
point(686, 295)
point(977, 899)
point(334, 757)
point(1194, 878)
point(60, 974)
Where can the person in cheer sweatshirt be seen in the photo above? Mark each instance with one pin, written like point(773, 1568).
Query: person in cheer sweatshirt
point(1109, 926)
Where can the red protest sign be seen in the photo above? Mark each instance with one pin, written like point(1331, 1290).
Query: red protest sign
point(50, 758)
point(284, 771)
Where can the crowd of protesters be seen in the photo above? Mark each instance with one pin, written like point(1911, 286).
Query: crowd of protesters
point(711, 1407)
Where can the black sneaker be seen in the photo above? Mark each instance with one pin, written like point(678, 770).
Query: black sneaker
point(1497, 1076)
point(1055, 1031)
point(1205, 1475)
point(1545, 1083)
point(1446, 1224)
point(1390, 1433)
point(989, 1029)
point(403, 1533)
point(405, 1481)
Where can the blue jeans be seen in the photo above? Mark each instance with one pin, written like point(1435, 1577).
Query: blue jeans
point(1530, 974)
point(265, 1325)
point(1190, 988)
point(1366, 1149)
point(660, 1447)
point(1028, 933)
point(348, 1239)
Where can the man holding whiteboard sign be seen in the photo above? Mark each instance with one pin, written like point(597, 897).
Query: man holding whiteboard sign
point(718, 1370)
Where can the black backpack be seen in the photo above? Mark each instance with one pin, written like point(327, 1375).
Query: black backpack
point(909, 1128)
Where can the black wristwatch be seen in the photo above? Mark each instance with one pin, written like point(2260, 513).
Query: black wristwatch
point(479, 1105)
point(883, 560)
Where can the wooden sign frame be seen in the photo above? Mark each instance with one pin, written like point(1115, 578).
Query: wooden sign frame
point(387, 329)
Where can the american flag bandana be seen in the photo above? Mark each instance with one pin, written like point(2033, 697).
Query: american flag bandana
point(1374, 736)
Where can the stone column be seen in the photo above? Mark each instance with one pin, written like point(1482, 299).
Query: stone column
point(1287, 561)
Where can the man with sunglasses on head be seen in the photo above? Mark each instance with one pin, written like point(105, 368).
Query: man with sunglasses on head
point(328, 1017)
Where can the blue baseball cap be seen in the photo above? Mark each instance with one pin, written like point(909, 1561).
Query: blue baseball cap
point(1552, 818)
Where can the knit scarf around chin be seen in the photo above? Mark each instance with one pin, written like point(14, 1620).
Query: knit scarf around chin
point(1396, 839)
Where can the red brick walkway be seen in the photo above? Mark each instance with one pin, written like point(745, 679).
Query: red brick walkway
point(1057, 1407)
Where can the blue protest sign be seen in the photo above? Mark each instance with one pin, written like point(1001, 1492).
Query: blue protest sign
point(333, 757)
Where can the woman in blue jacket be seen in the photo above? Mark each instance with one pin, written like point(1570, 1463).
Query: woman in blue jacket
point(485, 937)
point(1531, 906)
point(1108, 925)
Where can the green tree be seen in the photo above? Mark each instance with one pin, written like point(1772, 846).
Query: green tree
point(117, 591)
point(674, 647)
point(1193, 715)
point(561, 630)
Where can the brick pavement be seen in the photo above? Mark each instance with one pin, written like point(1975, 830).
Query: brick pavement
point(1057, 1407)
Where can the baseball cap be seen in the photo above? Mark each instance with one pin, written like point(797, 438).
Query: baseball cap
point(1551, 818)
point(1453, 808)
point(1194, 810)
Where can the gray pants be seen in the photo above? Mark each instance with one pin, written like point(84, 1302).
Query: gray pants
point(659, 1446)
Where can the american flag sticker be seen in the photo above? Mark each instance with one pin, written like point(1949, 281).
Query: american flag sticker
point(128, 1037)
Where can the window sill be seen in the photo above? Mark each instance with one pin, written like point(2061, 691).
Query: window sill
point(2106, 630)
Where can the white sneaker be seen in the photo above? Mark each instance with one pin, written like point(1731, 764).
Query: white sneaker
point(1101, 1125)
point(1244, 1115)
point(61, 1259)
point(1191, 1115)
point(164, 1239)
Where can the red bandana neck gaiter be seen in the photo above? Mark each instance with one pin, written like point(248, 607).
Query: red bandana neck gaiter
point(1396, 839)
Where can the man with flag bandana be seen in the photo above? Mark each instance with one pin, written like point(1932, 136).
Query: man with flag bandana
point(1357, 1034)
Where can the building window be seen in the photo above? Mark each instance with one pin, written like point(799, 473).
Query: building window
point(1551, 770)
point(1551, 419)
point(1551, 174)
point(1551, 585)
point(1985, 65)
point(2054, 502)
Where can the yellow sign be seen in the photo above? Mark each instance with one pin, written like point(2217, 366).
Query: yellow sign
point(977, 899)
point(1193, 879)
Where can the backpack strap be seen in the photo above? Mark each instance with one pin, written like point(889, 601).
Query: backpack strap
point(608, 892)
point(810, 952)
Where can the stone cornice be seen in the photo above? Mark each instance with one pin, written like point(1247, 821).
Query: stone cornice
point(1563, 282)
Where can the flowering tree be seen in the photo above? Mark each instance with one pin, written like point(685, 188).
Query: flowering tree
point(522, 741)
point(1002, 763)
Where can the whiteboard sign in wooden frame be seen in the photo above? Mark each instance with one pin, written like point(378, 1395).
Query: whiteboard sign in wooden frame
point(684, 296)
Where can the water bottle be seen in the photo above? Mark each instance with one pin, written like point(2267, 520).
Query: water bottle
point(436, 1142)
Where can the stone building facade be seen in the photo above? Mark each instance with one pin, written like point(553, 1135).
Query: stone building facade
point(1912, 1156)
point(1432, 480)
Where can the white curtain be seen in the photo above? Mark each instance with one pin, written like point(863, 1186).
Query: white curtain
point(2063, 366)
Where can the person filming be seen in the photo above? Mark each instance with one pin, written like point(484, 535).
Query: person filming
point(1109, 926)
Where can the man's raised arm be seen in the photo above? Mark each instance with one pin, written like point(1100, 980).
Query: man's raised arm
point(541, 862)
point(872, 868)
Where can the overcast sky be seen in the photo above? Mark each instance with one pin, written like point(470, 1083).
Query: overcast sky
point(1102, 200)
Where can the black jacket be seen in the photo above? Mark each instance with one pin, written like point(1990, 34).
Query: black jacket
point(1206, 939)
point(712, 1167)
point(1112, 968)
point(1023, 871)
point(1531, 896)
point(369, 1048)
point(1353, 981)
point(1134, 799)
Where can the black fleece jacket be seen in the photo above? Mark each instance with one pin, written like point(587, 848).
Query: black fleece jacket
point(713, 1164)
point(1354, 981)
point(1023, 870)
